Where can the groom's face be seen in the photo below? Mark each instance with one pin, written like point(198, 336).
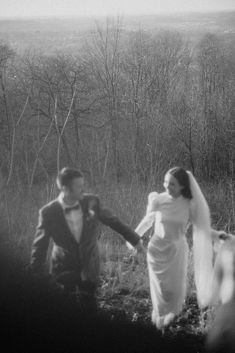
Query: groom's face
point(76, 189)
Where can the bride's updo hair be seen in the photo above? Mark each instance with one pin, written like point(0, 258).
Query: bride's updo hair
point(183, 179)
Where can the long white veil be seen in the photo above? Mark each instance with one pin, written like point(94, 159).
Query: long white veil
point(202, 243)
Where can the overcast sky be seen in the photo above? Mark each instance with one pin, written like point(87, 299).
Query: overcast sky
point(59, 8)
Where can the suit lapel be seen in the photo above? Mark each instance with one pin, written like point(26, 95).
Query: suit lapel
point(83, 204)
point(62, 220)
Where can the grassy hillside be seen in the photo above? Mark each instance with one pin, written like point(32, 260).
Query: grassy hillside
point(123, 296)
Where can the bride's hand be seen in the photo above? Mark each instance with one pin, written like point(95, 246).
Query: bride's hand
point(140, 248)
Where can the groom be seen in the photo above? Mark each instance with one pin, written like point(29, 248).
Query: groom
point(71, 222)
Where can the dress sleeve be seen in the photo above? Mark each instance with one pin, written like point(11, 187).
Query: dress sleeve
point(153, 200)
point(148, 219)
point(147, 222)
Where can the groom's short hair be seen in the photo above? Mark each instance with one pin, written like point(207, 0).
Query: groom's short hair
point(66, 175)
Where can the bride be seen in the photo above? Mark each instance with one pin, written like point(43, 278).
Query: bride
point(170, 213)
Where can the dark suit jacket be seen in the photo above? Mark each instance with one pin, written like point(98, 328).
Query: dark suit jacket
point(67, 254)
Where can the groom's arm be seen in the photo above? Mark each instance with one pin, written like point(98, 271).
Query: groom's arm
point(40, 244)
point(107, 218)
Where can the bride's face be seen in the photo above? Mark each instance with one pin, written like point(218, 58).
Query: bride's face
point(172, 186)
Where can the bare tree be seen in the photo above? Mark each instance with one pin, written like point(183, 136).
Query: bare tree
point(104, 56)
point(6, 55)
point(213, 96)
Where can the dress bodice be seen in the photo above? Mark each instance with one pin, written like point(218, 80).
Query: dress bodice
point(171, 216)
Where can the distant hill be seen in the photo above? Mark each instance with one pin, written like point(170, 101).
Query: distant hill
point(45, 24)
point(214, 21)
point(58, 33)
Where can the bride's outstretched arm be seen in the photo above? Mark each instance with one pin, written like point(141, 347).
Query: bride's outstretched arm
point(147, 222)
point(144, 225)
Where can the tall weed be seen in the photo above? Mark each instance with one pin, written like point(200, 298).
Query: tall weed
point(19, 213)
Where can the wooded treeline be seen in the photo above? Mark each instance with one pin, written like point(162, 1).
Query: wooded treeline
point(129, 104)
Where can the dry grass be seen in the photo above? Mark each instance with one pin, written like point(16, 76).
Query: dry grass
point(19, 212)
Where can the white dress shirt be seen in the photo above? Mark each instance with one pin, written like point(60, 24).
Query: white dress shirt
point(74, 218)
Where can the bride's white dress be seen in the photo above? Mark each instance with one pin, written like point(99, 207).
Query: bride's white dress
point(167, 253)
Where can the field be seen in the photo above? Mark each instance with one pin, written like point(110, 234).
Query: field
point(123, 296)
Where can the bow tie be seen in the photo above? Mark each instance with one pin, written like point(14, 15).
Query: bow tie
point(72, 208)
